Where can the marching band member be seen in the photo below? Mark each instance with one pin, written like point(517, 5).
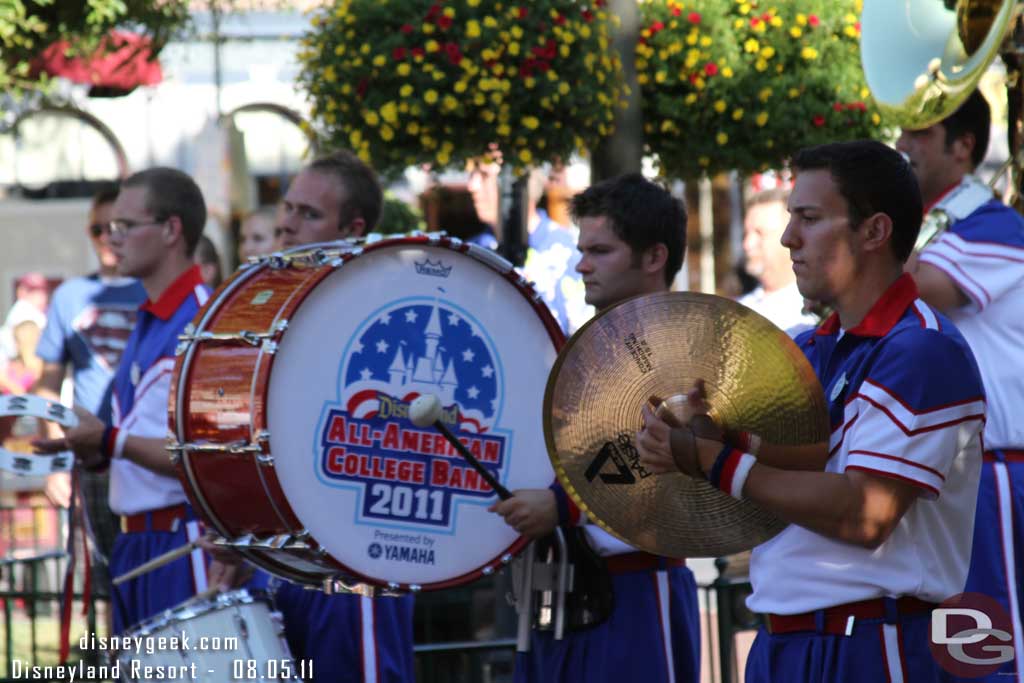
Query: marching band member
point(632, 238)
point(884, 532)
point(158, 217)
point(347, 637)
point(974, 272)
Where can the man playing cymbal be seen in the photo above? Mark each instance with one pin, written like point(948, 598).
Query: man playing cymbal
point(884, 532)
point(632, 238)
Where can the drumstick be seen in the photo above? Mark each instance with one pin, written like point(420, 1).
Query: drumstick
point(157, 562)
point(425, 411)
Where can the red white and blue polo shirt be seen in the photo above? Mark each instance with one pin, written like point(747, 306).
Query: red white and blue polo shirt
point(983, 253)
point(141, 389)
point(905, 401)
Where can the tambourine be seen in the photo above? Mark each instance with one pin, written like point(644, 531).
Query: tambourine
point(29, 405)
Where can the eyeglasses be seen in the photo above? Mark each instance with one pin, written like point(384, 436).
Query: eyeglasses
point(121, 228)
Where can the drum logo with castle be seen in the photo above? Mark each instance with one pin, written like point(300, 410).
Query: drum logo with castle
point(408, 477)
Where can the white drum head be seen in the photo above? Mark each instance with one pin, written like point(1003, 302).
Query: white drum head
point(392, 502)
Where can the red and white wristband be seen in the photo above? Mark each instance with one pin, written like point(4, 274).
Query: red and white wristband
point(112, 444)
point(730, 471)
point(749, 443)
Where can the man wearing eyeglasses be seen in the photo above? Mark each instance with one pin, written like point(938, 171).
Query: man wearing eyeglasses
point(157, 220)
point(87, 326)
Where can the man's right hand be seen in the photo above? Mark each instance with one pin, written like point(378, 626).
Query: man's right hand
point(531, 512)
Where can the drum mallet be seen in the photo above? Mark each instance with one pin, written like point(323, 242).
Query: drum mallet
point(156, 562)
point(425, 411)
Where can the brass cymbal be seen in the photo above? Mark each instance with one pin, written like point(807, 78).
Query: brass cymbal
point(757, 380)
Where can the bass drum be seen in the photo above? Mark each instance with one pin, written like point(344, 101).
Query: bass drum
point(290, 410)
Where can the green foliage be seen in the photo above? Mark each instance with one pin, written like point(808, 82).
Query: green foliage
point(742, 84)
point(398, 217)
point(403, 82)
point(28, 26)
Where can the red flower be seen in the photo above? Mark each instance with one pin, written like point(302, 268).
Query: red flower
point(676, 11)
point(813, 20)
point(523, 12)
point(693, 17)
point(839, 106)
point(361, 87)
point(417, 52)
point(560, 20)
point(754, 21)
point(859, 106)
point(599, 3)
point(710, 69)
point(693, 78)
point(766, 17)
point(398, 54)
point(588, 16)
point(433, 11)
point(444, 22)
point(453, 52)
point(407, 29)
point(818, 120)
point(657, 26)
point(857, 26)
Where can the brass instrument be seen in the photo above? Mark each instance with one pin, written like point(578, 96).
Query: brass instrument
point(923, 58)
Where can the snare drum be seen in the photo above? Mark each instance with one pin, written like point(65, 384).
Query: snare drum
point(231, 637)
point(290, 408)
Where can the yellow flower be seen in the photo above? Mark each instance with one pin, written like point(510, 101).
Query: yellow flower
point(479, 99)
point(443, 157)
point(490, 22)
point(699, 83)
point(487, 115)
point(795, 32)
point(751, 45)
point(525, 156)
point(864, 93)
point(584, 31)
point(460, 86)
point(727, 72)
point(764, 94)
point(340, 50)
point(430, 97)
point(403, 69)
point(660, 76)
point(529, 82)
point(371, 118)
point(380, 60)
point(473, 3)
point(329, 74)
point(564, 51)
point(473, 28)
point(809, 53)
point(563, 88)
point(760, 64)
point(768, 52)
point(355, 137)
point(704, 161)
point(761, 119)
point(801, 19)
point(365, 48)
point(776, 21)
point(744, 8)
point(737, 114)
point(692, 38)
point(449, 12)
point(432, 46)
point(738, 24)
point(722, 138)
point(386, 134)
point(705, 41)
point(389, 112)
point(531, 122)
point(720, 106)
point(794, 93)
point(850, 31)
point(876, 119)
point(516, 32)
point(449, 103)
point(503, 130)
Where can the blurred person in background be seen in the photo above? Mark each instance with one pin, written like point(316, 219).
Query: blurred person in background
point(31, 299)
point(208, 261)
point(256, 235)
point(776, 297)
point(88, 324)
point(22, 371)
point(457, 215)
